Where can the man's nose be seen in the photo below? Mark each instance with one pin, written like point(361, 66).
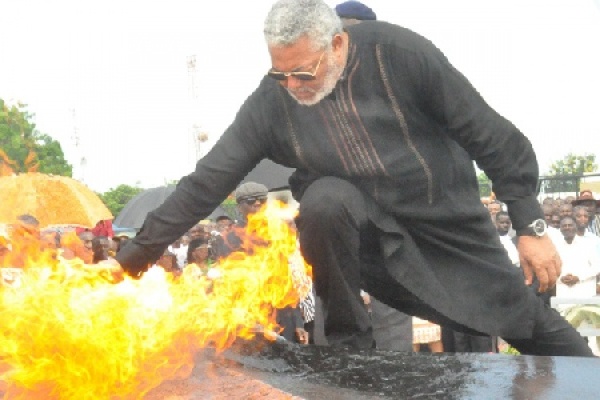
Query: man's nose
point(292, 82)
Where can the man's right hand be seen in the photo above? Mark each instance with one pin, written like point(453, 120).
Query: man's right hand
point(539, 256)
point(111, 270)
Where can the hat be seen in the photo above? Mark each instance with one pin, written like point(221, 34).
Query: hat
point(585, 195)
point(250, 189)
point(355, 10)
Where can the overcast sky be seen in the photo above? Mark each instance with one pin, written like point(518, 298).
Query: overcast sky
point(116, 74)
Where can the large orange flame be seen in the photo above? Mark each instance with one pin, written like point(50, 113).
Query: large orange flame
point(67, 332)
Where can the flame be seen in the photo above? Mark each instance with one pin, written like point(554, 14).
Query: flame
point(68, 332)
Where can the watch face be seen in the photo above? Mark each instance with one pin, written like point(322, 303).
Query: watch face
point(539, 226)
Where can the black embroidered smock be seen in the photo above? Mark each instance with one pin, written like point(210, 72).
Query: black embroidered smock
point(403, 125)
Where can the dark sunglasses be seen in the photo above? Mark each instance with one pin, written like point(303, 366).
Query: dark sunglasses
point(300, 75)
point(253, 199)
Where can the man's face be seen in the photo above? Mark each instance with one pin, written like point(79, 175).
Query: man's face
point(503, 224)
point(196, 232)
point(581, 218)
point(493, 209)
point(567, 228)
point(325, 64)
point(86, 239)
point(566, 210)
point(547, 209)
point(590, 206)
point(251, 204)
point(555, 221)
point(223, 225)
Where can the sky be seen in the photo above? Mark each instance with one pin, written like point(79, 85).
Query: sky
point(114, 82)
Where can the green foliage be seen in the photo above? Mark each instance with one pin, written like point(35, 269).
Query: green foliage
point(229, 205)
point(115, 199)
point(485, 185)
point(565, 173)
point(27, 147)
point(573, 164)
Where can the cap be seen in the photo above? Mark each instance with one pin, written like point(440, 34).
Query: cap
point(355, 10)
point(250, 189)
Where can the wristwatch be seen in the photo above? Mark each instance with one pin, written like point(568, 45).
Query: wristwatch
point(536, 228)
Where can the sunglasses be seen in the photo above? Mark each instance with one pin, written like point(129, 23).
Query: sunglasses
point(300, 75)
point(253, 199)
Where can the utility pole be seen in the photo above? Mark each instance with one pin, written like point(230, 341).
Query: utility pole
point(198, 135)
point(82, 161)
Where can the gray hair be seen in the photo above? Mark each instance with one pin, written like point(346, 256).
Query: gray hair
point(289, 20)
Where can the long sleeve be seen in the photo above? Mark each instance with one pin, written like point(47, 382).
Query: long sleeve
point(493, 142)
point(216, 175)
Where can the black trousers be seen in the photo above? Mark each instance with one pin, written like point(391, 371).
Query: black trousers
point(342, 245)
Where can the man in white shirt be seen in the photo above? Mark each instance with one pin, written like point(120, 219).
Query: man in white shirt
point(580, 263)
point(503, 225)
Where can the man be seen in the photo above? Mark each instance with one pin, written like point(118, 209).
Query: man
point(250, 197)
point(581, 217)
point(494, 208)
point(503, 225)
point(581, 263)
point(586, 199)
point(382, 131)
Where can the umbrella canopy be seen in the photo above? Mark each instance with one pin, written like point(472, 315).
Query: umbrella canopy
point(53, 200)
point(273, 176)
point(135, 211)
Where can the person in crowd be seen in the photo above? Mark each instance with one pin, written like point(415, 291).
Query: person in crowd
point(569, 199)
point(565, 210)
point(581, 263)
point(370, 116)
point(586, 199)
point(103, 228)
point(224, 224)
point(199, 253)
point(100, 248)
point(428, 334)
point(180, 250)
point(555, 219)
point(196, 232)
point(168, 262)
point(494, 207)
point(581, 217)
point(353, 12)
point(503, 225)
point(552, 219)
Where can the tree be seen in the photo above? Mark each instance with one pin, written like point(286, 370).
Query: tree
point(115, 199)
point(573, 164)
point(23, 148)
point(565, 174)
point(485, 185)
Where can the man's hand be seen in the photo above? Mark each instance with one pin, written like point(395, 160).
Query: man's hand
point(111, 270)
point(538, 255)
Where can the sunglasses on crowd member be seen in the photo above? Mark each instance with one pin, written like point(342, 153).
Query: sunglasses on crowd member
point(300, 75)
point(253, 199)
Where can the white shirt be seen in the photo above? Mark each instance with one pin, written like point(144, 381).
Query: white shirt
point(580, 259)
point(181, 254)
point(511, 249)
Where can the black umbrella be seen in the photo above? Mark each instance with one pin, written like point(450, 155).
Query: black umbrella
point(135, 211)
point(272, 175)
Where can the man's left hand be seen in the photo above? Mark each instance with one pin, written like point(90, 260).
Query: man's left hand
point(538, 255)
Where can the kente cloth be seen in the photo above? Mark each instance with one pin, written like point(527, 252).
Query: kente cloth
point(404, 126)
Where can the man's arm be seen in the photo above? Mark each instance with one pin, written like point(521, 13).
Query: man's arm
point(238, 150)
point(500, 149)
